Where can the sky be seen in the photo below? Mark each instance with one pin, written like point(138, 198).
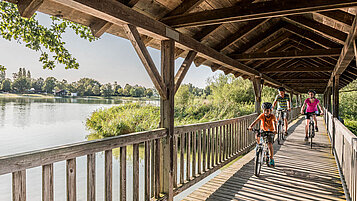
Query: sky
point(108, 59)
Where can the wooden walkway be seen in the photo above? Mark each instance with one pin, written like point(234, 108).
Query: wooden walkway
point(301, 173)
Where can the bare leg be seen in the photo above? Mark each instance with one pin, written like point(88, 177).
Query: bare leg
point(271, 149)
point(257, 139)
point(286, 124)
point(315, 119)
point(307, 126)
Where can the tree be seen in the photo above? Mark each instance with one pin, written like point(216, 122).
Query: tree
point(49, 84)
point(2, 75)
point(37, 84)
point(106, 90)
point(40, 38)
point(28, 74)
point(149, 92)
point(127, 90)
point(21, 84)
point(96, 90)
point(6, 85)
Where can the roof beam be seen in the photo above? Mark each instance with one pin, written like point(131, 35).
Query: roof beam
point(339, 16)
point(99, 27)
point(28, 7)
point(324, 30)
point(347, 53)
point(309, 35)
point(119, 14)
point(146, 59)
point(181, 73)
point(288, 55)
point(253, 11)
point(294, 70)
point(185, 7)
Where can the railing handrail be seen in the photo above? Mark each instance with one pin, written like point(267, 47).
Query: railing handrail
point(207, 125)
point(26, 160)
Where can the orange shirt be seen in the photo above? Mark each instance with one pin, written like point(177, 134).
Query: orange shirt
point(267, 123)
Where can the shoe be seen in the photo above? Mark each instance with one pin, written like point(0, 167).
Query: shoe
point(317, 129)
point(271, 163)
point(286, 133)
point(306, 139)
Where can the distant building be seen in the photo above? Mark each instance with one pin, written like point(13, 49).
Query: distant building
point(74, 94)
point(62, 92)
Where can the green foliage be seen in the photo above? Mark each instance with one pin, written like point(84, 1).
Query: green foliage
point(106, 90)
point(41, 38)
point(6, 85)
point(128, 118)
point(49, 85)
point(351, 125)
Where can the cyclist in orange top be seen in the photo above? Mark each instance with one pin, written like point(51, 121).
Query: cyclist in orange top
point(268, 123)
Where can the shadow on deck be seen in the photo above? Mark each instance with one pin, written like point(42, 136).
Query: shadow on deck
point(301, 173)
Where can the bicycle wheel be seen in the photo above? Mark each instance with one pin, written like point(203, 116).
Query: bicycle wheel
point(267, 158)
point(311, 133)
point(282, 132)
point(258, 163)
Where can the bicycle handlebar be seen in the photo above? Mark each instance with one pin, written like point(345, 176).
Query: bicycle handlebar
point(311, 113)
point(261, 132)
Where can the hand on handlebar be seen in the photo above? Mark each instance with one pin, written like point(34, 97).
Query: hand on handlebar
point(289, 109)
point(250, 128)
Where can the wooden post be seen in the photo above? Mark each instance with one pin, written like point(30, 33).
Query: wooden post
point(297, 101)
point(257, 85)
point(167, 114)
point(335, 111)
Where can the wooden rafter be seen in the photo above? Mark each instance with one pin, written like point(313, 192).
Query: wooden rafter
point(326, 31)
point(347, 54)
point(185, 7)
point(313, 37)
point(183, 69)
point(339, 16)
point(253, 11)
point(146, 59)
point(288, 55)
point(99, 27)
point(305, 69)
point(28, 7)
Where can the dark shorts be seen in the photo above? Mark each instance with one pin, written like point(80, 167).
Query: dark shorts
point(307, 116)
point(270, 137)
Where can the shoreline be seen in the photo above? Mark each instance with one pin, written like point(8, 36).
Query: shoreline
point(12, 95)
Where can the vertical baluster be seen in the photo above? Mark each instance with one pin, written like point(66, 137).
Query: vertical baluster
point(220, 143)
point(147, 170)
point(188, 155)
point(19, 186)
point(136, 172)
point(230, 139)
point(208, 148)
point(213, 149)
point(157, 168)
point(235, 137)
point(152, 168)
point(47, 182)
point(217, 144)
point(122, 173)
point(91, 177)
point(108, 175)
point(199, 135)
point(175, 162)
point(204, 150)
point(194, 153)
point(71, 179)
point(223, 142)
point(182, 158)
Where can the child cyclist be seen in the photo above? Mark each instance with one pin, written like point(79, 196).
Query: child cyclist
point(268, 123)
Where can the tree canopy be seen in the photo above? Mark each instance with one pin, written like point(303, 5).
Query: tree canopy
point(47, 40)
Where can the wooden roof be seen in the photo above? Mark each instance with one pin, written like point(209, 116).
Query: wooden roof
point(294, 43)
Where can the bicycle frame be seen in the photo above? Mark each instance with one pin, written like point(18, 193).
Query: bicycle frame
point(280, 125)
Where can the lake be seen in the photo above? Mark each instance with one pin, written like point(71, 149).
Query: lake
point(28, 124)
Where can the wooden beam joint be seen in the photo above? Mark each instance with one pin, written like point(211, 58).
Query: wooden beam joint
point(28, 7)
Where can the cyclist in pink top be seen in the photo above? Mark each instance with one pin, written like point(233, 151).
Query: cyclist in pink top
point(311, 104)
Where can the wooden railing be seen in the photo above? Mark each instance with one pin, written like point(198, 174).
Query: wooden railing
point(345, 151)
point(206, 147)
point(18, 164)
point(199, 150)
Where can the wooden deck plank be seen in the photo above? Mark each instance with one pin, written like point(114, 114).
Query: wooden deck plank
point(301, 173)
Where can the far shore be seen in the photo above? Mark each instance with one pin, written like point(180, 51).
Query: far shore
point(48, 96)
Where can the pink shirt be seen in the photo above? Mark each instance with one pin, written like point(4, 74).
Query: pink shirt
point(311, 107)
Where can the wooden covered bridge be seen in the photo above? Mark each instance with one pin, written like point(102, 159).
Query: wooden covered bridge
point(298, 44)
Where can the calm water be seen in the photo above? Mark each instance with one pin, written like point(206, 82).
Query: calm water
point(28, 124)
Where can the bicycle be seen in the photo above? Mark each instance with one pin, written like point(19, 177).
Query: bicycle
point(262, 151)
point(311, 130)
point(280, 127)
